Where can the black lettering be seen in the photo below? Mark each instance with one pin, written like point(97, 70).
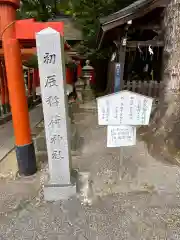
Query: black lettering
point(56, 155)
point(49, 58)
point(55, 121)
point(56, 138)
point(51, 81)
point(53, 101)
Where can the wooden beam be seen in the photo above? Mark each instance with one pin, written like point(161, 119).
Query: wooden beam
point(164, 3)
point(24, 51)
point(147, 27)
point(28, 51)
point(134, 14)
point(153, 43)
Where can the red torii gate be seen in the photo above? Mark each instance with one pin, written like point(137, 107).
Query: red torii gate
point(14, 33)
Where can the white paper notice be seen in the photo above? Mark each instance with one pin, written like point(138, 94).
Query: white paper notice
point(103, 111)
point(121, 136)
point(124, 108)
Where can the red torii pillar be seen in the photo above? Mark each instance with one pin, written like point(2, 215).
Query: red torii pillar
point(24, 146)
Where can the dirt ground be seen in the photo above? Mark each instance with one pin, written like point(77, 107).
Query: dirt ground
point(132, 198)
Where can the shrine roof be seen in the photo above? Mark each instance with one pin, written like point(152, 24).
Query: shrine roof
point(136, 10)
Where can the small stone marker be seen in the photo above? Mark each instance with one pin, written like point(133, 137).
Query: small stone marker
point(50, 50)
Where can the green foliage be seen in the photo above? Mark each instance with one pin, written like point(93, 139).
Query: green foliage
point(32, 62)
point(41, 10)
point(87, 14)
point(33, 9)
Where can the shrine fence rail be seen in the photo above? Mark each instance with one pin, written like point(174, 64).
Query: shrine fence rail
point(147, 88)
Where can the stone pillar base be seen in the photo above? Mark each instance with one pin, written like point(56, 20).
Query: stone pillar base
point(80, 85)
point(88, 95)
point(80, 96)
point(57, 192)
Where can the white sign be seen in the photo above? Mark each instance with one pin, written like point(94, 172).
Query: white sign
point(124, 108)
point(121, 136)
point(50, 50)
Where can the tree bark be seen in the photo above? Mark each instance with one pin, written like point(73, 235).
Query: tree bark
point(163, 133)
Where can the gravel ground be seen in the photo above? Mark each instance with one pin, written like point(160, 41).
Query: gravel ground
point(137, 215)
point(134, 198)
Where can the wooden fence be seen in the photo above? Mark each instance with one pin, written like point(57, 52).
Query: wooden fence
point(5, 110)
point(147, 88)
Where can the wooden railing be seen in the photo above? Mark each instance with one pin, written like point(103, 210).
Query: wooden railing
point(148, 88)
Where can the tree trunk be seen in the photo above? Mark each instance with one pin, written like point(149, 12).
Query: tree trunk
point(163, 134)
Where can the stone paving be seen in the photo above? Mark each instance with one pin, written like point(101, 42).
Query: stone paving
point(7, 134)
point(135, 198)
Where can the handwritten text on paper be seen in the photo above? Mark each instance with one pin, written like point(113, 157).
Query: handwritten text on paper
point(124, 108)
point(119, 136)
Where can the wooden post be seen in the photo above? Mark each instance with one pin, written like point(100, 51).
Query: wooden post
point(122, 54)
point(50, 50)
point(121, 59)
point(29, 82)
point(24, 146)
point(7, 104)
point(33, 87)
point(2, 89)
